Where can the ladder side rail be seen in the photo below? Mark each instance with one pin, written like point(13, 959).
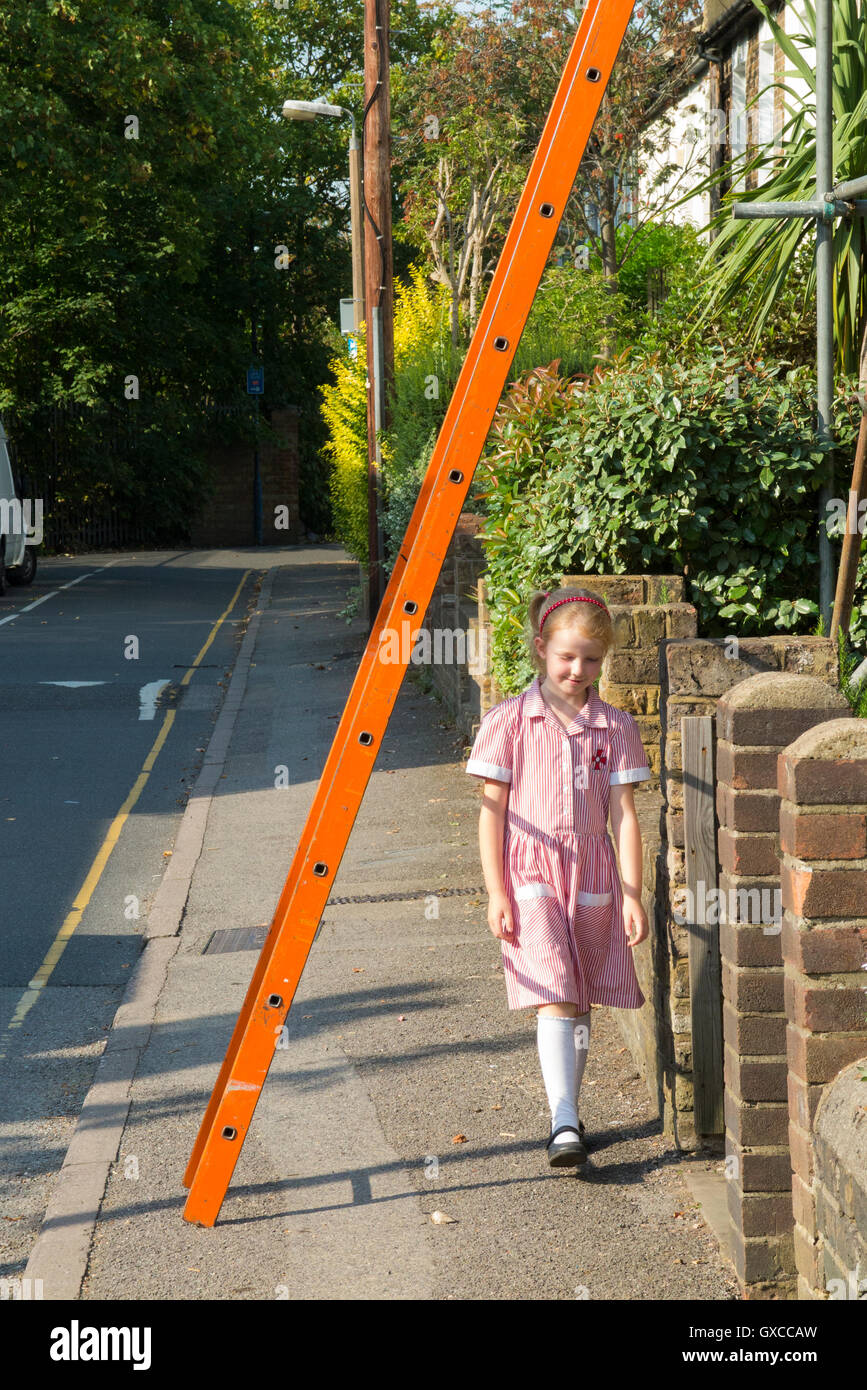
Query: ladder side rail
point(370, 704)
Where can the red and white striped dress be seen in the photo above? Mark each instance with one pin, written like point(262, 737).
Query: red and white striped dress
point(559, 869)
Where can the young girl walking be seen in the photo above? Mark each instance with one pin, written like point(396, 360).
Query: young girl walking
point(553, 760)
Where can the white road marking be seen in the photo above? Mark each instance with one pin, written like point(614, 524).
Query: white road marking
point(36, 602)
point(148, 698)
point(73, 685)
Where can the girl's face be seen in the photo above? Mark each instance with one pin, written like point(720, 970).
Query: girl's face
point(573, 661)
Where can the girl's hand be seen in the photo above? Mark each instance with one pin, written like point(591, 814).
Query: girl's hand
point(634, 920)
point(500, 915)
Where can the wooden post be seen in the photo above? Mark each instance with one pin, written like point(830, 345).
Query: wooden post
point(705, 984)
point(378, 279)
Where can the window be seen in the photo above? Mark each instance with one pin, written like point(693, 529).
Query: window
point(738, 107)
point(766, 133)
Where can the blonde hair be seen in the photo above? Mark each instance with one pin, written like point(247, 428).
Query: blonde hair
point(593, 621)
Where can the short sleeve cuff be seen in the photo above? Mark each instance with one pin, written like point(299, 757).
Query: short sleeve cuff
point(479, 769)
point(630, 774)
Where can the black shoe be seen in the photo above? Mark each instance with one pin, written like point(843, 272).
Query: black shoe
point(570, 1154)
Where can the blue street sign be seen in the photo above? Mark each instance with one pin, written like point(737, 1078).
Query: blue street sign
point(255, 381)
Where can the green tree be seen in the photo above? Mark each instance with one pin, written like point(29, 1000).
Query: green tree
point(471, 116)
point(147, 184)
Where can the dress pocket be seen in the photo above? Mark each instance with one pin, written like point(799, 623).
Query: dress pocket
point(593, 921)
point(540, 919)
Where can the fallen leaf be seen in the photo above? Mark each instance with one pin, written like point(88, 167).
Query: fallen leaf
point(440, 1218)
point(459, 1139)
point(358, 969)
point(496, 1107)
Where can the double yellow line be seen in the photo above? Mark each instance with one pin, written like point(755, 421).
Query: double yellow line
point(85, 893)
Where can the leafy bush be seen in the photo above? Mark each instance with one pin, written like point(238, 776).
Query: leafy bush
point(344, 411)
point(664, 246)
point(654, 468)
point(571, 314)
point(426, 367)
point(425, 371)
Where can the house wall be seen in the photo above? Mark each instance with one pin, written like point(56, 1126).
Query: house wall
point(684, 144)
point(717, 103)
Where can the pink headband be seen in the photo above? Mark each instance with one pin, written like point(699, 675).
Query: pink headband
point(573, 598)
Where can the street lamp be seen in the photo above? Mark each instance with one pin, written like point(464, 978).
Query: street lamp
point(308, 111)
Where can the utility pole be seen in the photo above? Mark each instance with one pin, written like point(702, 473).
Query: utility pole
point(378, 270)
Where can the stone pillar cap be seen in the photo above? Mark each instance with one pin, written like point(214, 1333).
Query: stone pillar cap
point(783, 690)
point(836, 740)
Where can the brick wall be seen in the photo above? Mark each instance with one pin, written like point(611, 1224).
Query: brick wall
point(755, 720)
point(823, 838)
point(694, 675)
point(458, 606)
point(226, 518)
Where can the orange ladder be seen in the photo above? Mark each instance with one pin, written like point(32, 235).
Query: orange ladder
point(365, 717)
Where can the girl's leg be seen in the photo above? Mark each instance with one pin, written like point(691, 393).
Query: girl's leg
point(555, 1028)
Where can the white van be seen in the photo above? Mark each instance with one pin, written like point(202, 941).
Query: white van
point(18, 531)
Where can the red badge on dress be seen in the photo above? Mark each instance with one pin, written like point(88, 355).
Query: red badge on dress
point(599, 759)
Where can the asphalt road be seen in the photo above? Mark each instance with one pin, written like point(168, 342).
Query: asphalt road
point(93, 658)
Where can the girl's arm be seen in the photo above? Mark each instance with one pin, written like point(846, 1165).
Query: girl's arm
point(492, 821)
point(627, 832)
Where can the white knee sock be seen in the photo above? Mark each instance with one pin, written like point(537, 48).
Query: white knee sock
point(582, 1043)
point(558, 1060)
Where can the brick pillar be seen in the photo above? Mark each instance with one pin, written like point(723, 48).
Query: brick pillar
point(694, 674)
point(823, 837)
point(756, 719)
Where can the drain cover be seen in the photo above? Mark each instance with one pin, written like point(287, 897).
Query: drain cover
point(236, 939)
point(253, 938)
